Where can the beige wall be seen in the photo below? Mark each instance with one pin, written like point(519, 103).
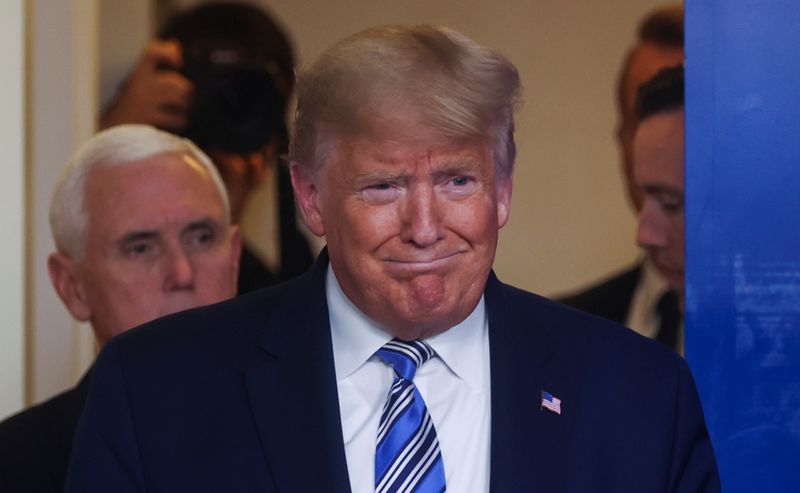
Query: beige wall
point(125, 27)
point(570, 221)
point(12, 214)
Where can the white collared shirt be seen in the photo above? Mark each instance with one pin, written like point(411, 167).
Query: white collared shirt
point(643, 313)
point(455, 386)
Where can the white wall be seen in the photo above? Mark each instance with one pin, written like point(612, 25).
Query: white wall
point(12, 213)
point(63, 101)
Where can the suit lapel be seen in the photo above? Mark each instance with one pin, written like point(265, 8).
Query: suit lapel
point(529, 445)
point(291, 383)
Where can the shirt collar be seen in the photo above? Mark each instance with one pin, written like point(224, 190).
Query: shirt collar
point(653, 284)
point(356, 337)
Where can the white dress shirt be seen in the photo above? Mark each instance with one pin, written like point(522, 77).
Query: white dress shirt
point(455, 386)
point(643, 313)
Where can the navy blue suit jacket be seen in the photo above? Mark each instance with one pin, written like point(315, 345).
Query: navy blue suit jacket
point(242, 396)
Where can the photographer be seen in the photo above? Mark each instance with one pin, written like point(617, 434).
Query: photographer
point(221, 74)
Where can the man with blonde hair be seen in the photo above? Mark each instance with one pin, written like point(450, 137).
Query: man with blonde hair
point(141, 224)
point(399, 362)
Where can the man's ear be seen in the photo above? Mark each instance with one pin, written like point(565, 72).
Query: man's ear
point(64, 275)
point(504, 189)
point(306, 193)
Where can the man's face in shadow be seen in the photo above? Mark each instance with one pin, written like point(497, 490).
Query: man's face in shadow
point(659, 173)
point(644, 62)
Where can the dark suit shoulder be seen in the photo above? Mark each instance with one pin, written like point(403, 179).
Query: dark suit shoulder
point(42, 420)
point(180, 353)
point(216, 327)
point(620, 393)
point(586, 340)
point(609, 298)
point(35, 444)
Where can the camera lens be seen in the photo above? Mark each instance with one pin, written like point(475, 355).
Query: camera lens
point(235, 109)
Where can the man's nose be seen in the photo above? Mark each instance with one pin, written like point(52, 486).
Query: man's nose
point(650, 231)
point(422, 222)
point(179, 270)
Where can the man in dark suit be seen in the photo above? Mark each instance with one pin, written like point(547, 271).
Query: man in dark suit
point(659, 173)
point(141, 224)
point(639, 296)
point(399, 362)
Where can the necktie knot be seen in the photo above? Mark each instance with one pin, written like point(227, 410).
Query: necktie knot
point(405, 356)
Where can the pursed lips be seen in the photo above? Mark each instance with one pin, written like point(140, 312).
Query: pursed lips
point(423, 262)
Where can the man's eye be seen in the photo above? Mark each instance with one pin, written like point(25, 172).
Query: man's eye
point(138, 249)
point(201, 237)
point(670, 205)
point(380, 193)
point(460, 186)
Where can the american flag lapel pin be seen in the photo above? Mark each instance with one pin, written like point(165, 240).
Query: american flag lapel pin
point(551, 402)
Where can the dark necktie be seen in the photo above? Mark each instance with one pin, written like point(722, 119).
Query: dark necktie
point(407, 457)
point(669, 319)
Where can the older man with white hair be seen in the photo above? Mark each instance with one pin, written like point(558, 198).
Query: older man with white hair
point(141, 224)
point(399, 362)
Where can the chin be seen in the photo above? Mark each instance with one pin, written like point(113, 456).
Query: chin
point(675, 279)
point(419, 330)
point(418, 322)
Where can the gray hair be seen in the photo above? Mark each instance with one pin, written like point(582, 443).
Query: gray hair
point(118, 146)
point(404, 79)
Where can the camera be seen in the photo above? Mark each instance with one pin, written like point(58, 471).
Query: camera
point(241, 64)
point(236, 108)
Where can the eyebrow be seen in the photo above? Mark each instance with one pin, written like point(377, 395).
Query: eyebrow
point(371, 176)
point(153, 234)
point(456, 166)
point(206, 222)
point(134, 236)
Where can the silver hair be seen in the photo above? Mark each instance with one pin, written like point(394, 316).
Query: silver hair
point(118, 146)
point(417, 82)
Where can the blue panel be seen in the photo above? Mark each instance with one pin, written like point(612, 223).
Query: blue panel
point(743, 235)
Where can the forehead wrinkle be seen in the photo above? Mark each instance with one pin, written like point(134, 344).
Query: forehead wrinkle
point(457, 165)
point(379, 174)
point(167, 222)
point(143, 233)
point(202, 222)
point(460, 164)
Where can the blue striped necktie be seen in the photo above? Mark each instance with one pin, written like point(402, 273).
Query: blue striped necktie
point(407, 458)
